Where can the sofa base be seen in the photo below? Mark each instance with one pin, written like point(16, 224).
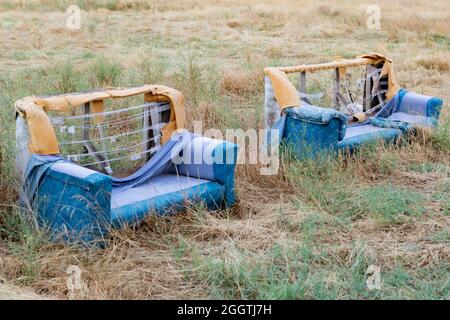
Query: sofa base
point(189, 190)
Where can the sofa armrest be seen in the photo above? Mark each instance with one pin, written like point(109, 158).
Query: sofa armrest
point(74, 203)
point(420, 105)
point(311, 130)
point(211, 159)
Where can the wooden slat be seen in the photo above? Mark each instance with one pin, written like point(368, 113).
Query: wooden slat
point(303, 87)
point(89, 145)
point(329, 65)
point(341, 99)
point(367, 103)
point(303, 82)
point(336, 88)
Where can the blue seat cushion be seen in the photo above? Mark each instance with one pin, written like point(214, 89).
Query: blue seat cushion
point(360, 134)
point(353, 131)
point(162, 195)
point(413, 119)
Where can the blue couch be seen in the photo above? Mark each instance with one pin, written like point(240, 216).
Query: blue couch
point(310, 131)
point(81, 205)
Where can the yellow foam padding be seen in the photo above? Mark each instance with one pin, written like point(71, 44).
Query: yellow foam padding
point(42, 134)
point(97, 106)
point(128, 92)
point(285, 92)
point(167, 130)
point(64, 102)
point(175, 98)
point(360, 117)
point(388, 69)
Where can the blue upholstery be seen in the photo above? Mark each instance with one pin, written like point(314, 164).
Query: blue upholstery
point(218, 167)
point(320, 116)
point(310, 131)
point(419, 105)
point(208, 192)
point(73, 208)
point(81, 205)
point(353, 142)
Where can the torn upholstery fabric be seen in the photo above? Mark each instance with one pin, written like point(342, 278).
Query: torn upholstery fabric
point(286, 94)
point(42, 135)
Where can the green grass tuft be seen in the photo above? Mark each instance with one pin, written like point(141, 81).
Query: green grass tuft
point(389, 204)
point(106, 72)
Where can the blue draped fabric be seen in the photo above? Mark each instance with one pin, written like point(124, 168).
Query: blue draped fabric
point(161, 162)
point(37, 166)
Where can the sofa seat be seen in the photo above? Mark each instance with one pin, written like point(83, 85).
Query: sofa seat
point(353, 131)
point(409, 118)
point(162, 195)
point(357, 135)
point(79, 205)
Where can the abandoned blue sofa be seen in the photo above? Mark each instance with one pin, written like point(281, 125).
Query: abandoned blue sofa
point(92, 162)
point(310, 130)
point(359, 110)
point(79, 204)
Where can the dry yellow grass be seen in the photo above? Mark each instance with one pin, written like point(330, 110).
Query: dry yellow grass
point(232, 41)
point(8, 292)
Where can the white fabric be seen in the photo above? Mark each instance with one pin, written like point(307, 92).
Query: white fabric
point(272, 111)
point(197, 160)
point(157, 107)
point(409, 118)
point(155, 186)
point(414, 103)
point(72, 169)
point(358, 130)
point(22, 140)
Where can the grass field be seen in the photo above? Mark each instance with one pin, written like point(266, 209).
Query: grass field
point(309, 232)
